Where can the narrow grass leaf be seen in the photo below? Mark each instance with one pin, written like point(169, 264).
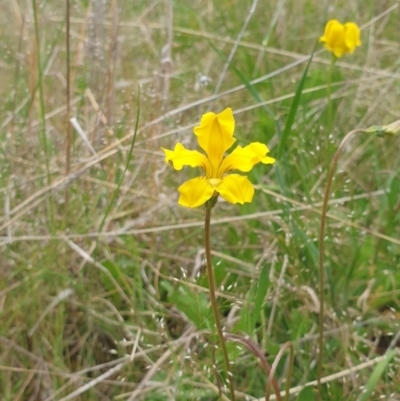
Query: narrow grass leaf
point(245, 82)
point(293, 108)
point(250, 312)
point(278, 11)
point(120, 179)
point(307, 394)
point(262, 288)
point(244, 323)
point(376, 376)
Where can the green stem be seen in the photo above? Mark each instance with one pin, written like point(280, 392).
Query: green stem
point(42, 111)
point(321, 257)
point(68, 99)
point(329, 94)
point(213, 299)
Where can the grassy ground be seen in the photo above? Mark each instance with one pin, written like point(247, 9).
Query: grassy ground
point(103, 294)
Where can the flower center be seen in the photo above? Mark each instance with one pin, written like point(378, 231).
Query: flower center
point(214, 182)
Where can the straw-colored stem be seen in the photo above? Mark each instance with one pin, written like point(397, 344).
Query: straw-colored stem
point(213, 299)
point(321, 254)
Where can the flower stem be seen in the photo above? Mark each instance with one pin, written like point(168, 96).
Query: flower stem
point(213, 299)
point(329, 94)
point(321, 256)
point(42, 114)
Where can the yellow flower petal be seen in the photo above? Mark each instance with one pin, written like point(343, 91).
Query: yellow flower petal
point(236, 188)
point(334, 38)
point(181, 156)
point(352, 37)
point(244, 159)
point(332, 28)
point(195, 192)
point(215, 136)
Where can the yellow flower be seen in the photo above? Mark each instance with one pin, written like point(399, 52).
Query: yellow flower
point(341, 39)
point(215, 137)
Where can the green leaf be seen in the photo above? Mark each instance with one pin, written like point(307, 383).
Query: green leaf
point(250, 314)
point(262, 288)
point(393, 193)
point(194, 305)
point(307, 394)
point(244, 321)
point(376, 376)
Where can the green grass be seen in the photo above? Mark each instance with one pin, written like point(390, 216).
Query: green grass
point(138, 315)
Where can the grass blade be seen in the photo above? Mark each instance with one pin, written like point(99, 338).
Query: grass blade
point(128, 160)
point(245, 82)
point(293, 108)
point(376, 375)
point(262, 288)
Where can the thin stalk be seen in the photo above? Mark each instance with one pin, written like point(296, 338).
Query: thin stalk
point(275, 366)
point(68, 99)
point(213, 299)
point(387, 131)
point(257, 352)
point(321, 255)
point(329, 94)
point(42, 110)
point(289, 373)
point(128, 161)
point(214, 360)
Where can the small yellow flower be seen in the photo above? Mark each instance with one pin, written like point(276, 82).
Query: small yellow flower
point(341, 39)
point(215, 137)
